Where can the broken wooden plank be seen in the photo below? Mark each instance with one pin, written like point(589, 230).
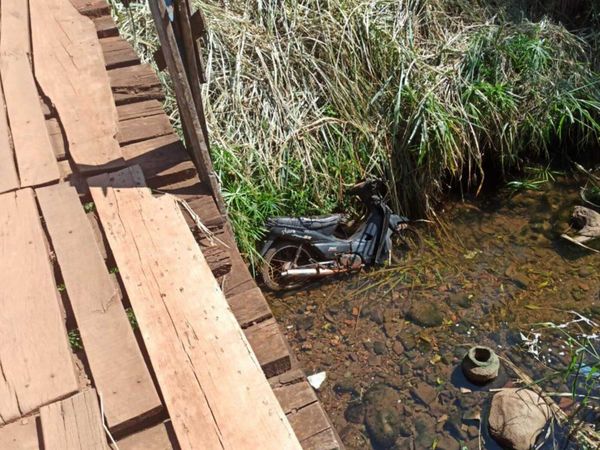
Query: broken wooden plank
point(105, 27)
point(35, 160)
point(74, 424)
point(218, 260)
point(9, 179)
point(70, 71)
point(270, 347)
point(211, 382)
point(116, 362)
point(59, 145)
point(118, 52)
point(163, 160)
point(38, 369)
point(92, 8)
point(249, 307)
point(20, 435)
point(158, 437)
point(143, 129)
point(135, 84)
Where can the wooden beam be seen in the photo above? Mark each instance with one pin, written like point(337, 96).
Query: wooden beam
point(118, 368)
point(144, 128)
point(211, 382)
point(105, 27)
point(135, 84)
point(70, 70)
point(33, 150)
point(92, 8)
point(74, 424)
point(36, 361)
point(187, 108)
point(118, 52)
point(249, 307)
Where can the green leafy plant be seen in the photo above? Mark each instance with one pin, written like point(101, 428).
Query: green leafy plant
point(75, 340)
point(306, 97)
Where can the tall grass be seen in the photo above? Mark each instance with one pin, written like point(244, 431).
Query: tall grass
point(307, 96)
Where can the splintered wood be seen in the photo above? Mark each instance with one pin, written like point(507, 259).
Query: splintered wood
point(116, 362)
point(213, 386)
point(33, 150)
point(74, 424)
point(69, 67)
point(34, 352)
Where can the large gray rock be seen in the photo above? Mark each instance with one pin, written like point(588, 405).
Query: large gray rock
point(382, 415)
point(517, 417)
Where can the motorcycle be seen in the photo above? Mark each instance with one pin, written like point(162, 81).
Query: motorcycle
point(300, 249)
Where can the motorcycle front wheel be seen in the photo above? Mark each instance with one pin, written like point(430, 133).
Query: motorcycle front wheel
point(406, 243)
point(279, 258)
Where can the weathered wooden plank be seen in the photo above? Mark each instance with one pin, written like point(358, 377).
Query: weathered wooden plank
point(135, 84)
point(269, 346)
point(92, 8)
point(249, 307)
point(59, 145)
point(309, 421)
point(34, 352)
point(293, 397)
point(20, 435)
point(324, 440)
point(143, 129)
point(35, 160)
point(74, 424)
point(117, 366)
point(140, 109)
point(211, 381)
point(105, 27)
point(206, 208)
point(163, 160)
point(153, 438)
point(70, 71)
point(118, 52)
point(218, 260)
point(9, 179)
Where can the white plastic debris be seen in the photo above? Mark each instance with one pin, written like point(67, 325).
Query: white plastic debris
point(316, 379)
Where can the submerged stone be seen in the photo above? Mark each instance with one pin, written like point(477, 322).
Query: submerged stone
point(425, 314)
point(383, 415)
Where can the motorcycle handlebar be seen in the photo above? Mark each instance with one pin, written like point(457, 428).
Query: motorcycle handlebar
point(373, 186)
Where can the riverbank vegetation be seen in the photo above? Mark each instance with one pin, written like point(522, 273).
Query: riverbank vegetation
point(304, 97)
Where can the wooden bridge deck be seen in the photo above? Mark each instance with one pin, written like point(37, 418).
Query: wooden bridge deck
point(206, 365)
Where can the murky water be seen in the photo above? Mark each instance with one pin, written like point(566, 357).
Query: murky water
point(391, 342)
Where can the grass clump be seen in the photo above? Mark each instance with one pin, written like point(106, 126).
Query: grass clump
point(307, 96)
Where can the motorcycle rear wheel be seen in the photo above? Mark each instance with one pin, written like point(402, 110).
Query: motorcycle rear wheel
point(406, 243)
point(283, 256)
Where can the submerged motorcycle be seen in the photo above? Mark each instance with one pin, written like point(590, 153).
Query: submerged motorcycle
point(297, 250)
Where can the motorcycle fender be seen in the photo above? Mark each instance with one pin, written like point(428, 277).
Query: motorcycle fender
point(266, 246)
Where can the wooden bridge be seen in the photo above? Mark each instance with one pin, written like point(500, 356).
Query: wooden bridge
point(128, 318)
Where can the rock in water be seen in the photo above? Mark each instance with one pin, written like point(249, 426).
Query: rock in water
point(382, 415)
point(425, 314)
point(517, 417)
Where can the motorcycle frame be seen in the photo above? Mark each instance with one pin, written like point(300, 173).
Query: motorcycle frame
point(372, 239)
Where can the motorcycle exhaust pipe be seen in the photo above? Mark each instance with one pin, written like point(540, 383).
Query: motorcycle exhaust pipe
point(310, 273)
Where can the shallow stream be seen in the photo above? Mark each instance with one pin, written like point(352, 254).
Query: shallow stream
point(496, 273)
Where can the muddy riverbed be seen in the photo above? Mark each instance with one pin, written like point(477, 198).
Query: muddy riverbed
point(496, 273)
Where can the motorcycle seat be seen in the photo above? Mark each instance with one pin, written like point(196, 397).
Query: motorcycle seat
point(324, 224)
